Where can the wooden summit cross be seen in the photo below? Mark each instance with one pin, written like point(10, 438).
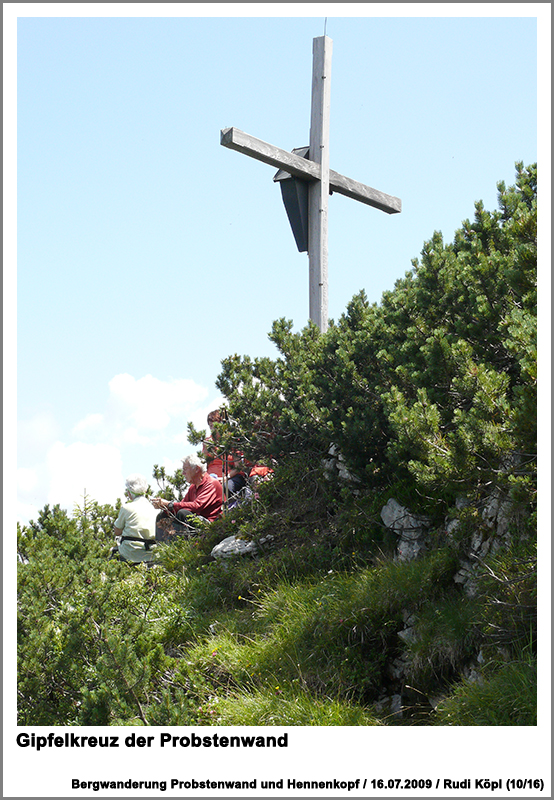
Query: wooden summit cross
point(306, 171)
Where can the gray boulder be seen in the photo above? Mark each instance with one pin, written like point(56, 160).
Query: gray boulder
point(402, 521)
point(409, 527)
point(232, 546)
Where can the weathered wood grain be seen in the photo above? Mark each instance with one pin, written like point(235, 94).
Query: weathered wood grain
point(365, 194)
point(306, 169)
point(318, 191)
point(321, 180)
point(300, 167)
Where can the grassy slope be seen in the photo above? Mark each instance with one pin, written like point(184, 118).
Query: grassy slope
point(307, 633)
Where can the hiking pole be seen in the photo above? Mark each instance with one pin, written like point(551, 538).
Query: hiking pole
point(224, 480)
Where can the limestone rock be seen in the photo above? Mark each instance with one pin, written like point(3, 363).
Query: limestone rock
point(397, 668)
point(390, 706)
point(409, 527)
point(498, 513)
point(336, 463)
point(402, 521)
point(408, 550)
point(233, 546)
point(408, 635)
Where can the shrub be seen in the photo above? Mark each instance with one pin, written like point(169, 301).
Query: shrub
point(507, 696)
point(271, 706)
point(445, 637)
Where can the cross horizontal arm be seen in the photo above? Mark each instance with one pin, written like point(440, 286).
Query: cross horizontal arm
point(305, 169)
point(300, 167)
point(365, 194)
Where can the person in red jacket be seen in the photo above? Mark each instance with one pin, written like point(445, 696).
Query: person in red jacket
point(204, 498)
point(226, 467)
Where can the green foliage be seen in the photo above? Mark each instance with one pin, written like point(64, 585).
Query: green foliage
point(272, 707)
point(437, 385)
point(507, 696)
point(330, 637)
point(508, 590)
point(90, 630)
point(445, 638)
point(170, 487)
point(428, 397)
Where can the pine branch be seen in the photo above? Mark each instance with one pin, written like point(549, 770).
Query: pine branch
point(129, 688)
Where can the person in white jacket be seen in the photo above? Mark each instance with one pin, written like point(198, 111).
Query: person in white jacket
point(135, 526)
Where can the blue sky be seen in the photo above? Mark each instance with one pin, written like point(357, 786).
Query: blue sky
point(147, 253)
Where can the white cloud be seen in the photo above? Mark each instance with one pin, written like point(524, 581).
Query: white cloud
point(144, 422)
point(171, 465)
point(26, 479)
point(35, 436)
point(146, 410)
point(78, 468)
point(152, 404)
point(198, 417)
point(25, 512)
point(90, 424)
point(132, 436)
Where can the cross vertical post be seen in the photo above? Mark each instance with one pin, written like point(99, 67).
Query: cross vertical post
point(312, 169)
point(318, 191)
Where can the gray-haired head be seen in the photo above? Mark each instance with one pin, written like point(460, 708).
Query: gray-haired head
point(136, 485)
point(195, 462)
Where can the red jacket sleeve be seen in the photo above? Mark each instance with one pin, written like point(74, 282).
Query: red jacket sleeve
point(204, 500)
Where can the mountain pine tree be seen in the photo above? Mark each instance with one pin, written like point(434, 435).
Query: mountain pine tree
point(428, 396)
point(435, 386)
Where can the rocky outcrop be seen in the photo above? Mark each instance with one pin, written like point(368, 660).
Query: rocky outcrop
point(397, 699)
point(232, 546)
point(410, 529)
point(335, 467)
point(492, 535)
